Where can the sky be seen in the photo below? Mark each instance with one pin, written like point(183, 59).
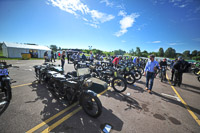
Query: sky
point(103, 24)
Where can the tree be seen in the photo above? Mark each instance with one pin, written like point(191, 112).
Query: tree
point(198, 53)
point(144, 53)
point(131, 52)
point(119, 52)
point(170, 53)
point(194, 53)
point(53, 47)
point(161, 52)
point(186, 54)
point(138, 52)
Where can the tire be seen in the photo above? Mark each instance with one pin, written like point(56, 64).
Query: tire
point(137, 75)
point(75, 66)
point(128, 80)
point(87, 104)
point(196, 71)
point(8, 95)
point(116, 80)
point(141, 70)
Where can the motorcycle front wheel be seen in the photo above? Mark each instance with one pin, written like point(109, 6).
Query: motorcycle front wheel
point(130, 78)
point(91, 105)
point(119, 84)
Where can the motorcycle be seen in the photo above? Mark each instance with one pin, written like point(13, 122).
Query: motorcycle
point(74, 87)
point(110, 75)
point(5, 87)
point(127, 74)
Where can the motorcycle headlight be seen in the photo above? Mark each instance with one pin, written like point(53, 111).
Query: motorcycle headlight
point(88, 83)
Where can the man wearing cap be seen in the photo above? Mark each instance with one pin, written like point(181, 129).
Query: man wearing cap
point(150, 72)
point(178, 67)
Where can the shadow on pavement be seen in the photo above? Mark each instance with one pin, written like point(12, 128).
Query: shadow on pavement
point(84, 124)
point(53, 105)
point(176, 102)
point(137, 88)
point(131, 103)
point(191, 86)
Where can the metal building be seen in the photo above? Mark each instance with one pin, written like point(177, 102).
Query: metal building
point(14, 50)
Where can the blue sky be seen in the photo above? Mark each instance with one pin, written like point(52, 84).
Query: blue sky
point(103, 24)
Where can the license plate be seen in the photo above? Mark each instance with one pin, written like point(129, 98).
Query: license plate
point(3, 72)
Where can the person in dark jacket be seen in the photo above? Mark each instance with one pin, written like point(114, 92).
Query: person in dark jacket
point(63, 59)
point(84, 57)
point(173, 70)
point(68, 57)
point(178, 67)
point(52, 56)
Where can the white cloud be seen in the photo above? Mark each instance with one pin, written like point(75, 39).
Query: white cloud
point(77, 8)
point(196, 39)
point(175, 43)
point(123, 41)
point(107, 3)
point(122, 13)
point(126, 22)
point(156, 42)
point(181, 6)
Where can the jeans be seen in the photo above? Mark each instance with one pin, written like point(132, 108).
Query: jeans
point(149, 76)
point(62, 64)
point(178, 78)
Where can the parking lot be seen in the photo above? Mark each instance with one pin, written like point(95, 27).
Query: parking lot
point(168, 109)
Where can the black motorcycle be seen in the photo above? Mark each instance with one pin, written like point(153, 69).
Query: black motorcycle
point(127, 74)
point(137, 73)
point(74, 87)
point(110, 75)
point(5, 87)
point(42, 70)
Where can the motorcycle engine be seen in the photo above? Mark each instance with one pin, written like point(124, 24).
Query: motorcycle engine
point(88, 83)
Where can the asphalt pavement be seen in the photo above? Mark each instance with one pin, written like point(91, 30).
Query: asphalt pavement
point(168, 109)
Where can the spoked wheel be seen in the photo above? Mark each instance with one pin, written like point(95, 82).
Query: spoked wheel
point(130, 78)
point(137, 75)
point(5, 97)
point(119, 84)
point(141, 70)
point(91, 105)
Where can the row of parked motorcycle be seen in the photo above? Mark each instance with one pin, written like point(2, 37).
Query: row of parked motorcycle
point(76, 85)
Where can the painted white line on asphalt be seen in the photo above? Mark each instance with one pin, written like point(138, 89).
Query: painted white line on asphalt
point(171, 96)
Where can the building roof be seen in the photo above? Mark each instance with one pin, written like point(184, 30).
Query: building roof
point(26, 46)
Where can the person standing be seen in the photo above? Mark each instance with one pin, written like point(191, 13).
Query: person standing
point(52, 56)
point(63, 59)
point(179, 67)
point(68, 57)
point(59, 55)
point(172, 69)
point(91, 56)
point(163, 63)
point(150, 72)
point(46, 56)
point(84, 57)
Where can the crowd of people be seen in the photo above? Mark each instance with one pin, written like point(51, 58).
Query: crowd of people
point(151, 66)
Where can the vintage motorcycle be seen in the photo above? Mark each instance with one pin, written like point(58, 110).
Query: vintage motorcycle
point(110, 75)
point(74, 87)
